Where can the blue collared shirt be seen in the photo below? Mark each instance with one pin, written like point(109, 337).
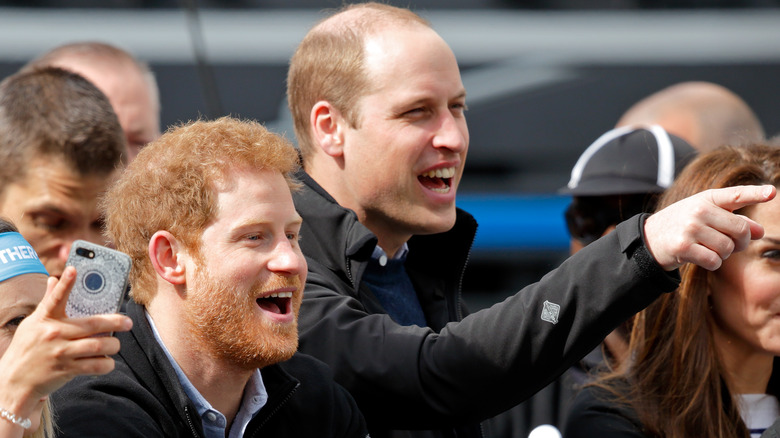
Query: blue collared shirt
point(381, 257)
point(214, 423)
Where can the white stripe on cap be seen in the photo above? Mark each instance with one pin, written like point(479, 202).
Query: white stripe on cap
point(579, 167)
point(665, 153)
point(665, 156)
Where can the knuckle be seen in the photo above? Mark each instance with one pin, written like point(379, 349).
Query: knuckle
point(698, 210)
point(59, 353)
point(111, 346)
point(50, 332)
point(92, 324)
point(727, 249)
point(95, 347)
point(99, 366)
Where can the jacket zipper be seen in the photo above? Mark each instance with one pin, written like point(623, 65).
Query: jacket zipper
point(276, 409)
point(459, 302)
point(190, 423)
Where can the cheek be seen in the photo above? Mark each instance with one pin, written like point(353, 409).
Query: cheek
point(5, 340)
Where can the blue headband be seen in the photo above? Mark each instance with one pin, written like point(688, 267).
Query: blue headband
point(17, 257)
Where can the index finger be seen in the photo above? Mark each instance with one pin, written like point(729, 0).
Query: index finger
point(57, 292)
point(734, 198)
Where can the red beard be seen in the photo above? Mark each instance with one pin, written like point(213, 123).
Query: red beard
point(226, 322)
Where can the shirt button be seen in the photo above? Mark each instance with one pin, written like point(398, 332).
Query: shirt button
point(382, 260)
point(211, 416)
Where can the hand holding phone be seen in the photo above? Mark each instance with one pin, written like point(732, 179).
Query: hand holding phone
point(101, 279)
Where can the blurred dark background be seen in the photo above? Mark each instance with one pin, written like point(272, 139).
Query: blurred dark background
point(545, 78)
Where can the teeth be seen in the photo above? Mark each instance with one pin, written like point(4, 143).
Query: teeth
point(280, 295)
point(447, 172)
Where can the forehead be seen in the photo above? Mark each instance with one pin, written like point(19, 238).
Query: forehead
point(767, 214)
point(410, 56)
point(24, 290)
point(49, 176)
point(246, 191)
point(119, 79)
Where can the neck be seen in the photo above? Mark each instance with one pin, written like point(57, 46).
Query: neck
point(748, 371)
point(220, 383)
point(390, 238)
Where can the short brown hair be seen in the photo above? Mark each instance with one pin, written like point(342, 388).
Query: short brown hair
point(171, 186)
point(329, 63)
point(53, 112)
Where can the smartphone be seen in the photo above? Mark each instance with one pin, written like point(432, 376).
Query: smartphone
point(101, 279)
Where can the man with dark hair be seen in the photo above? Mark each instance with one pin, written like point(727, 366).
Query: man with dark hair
point(128, 83)
point(206, 215)
point(379, 112)
point(60, 146)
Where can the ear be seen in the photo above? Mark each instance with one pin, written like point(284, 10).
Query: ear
point(328, 128)
point(164, 253)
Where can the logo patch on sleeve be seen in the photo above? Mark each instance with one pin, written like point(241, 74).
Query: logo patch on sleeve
point(550, 312)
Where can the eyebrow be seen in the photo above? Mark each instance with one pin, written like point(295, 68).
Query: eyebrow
point(297, 220)
point(46, 207)
point(774, 240)
point(27, 308)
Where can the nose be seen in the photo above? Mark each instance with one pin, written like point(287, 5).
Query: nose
point(64, 250)
point(87, 233)
point(452, 133)
point(287, 259)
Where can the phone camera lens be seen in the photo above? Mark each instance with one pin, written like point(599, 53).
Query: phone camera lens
point(84, 252)
point(93, 282)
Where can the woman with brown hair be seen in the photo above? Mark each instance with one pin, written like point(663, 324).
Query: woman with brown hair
point(702, 358)
point(40, 347)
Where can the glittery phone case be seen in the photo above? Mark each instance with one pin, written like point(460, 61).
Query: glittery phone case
point(101, 279)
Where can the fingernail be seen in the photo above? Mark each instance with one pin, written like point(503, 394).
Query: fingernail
point(767, 192)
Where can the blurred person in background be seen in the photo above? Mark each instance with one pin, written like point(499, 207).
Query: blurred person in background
point(701, 360)
point(128, 83)
point(61, 145)
point(40, 347)
point(704, 114)
point(379, 112)
point(618, 176)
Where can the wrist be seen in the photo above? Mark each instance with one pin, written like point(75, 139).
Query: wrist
point(17, 400)
point(10, 416)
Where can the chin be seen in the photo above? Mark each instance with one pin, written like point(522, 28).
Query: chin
point(438, 224)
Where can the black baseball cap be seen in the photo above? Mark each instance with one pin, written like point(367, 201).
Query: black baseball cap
point(629, 160)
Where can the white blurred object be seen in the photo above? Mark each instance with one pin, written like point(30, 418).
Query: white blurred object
point(545, 431)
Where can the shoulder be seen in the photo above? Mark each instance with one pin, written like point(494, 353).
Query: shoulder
point(599, 412)
point(89, 406)
point(325, 404)
point(312, 374)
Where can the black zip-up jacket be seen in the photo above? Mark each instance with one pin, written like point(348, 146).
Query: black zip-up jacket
point(142, 397)
point(444, 379)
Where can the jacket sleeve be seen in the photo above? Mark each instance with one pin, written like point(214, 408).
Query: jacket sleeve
point(411, 377)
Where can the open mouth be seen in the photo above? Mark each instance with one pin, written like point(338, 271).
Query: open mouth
point(278, 303)
point(439, 180)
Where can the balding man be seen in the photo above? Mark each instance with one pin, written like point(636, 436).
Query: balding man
point(704, 114)
point(127, 82)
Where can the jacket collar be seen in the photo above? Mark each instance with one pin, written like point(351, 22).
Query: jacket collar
point(339, 241)
point(145, 357)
